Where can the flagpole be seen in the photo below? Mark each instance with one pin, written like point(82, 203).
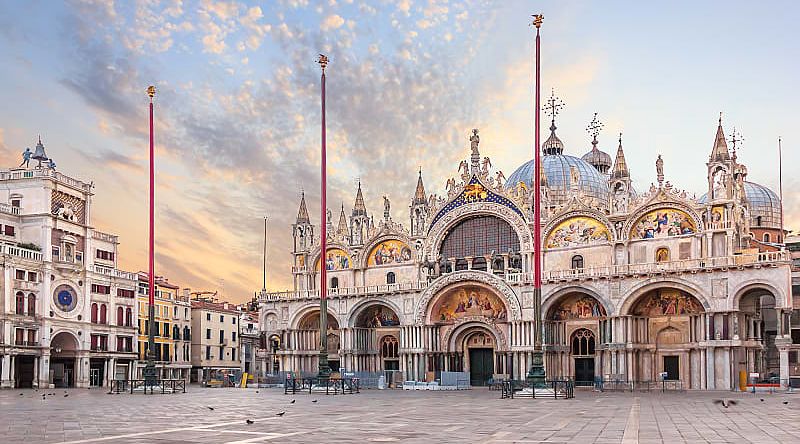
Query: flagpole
point(780, 190)
point(536, 374)
point(324, 368)
point(149, 373)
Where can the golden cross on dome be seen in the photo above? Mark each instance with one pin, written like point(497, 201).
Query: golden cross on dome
point(553, 106)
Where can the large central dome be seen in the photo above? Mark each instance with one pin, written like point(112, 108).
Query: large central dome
point(557, 171)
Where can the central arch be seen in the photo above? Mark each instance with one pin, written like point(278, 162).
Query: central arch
point(64, 358)
point(468, 277)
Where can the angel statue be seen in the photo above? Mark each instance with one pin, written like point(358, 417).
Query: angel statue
point(475, 140)
point(450, 186)
point(465, 167)
point(500, 179)
point(487, 163)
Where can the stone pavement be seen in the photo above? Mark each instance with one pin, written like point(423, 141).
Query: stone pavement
point(478, 416)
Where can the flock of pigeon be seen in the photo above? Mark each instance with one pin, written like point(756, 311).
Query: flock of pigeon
point(281, 413)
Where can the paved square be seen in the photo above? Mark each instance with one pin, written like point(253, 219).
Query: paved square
point(478, 416)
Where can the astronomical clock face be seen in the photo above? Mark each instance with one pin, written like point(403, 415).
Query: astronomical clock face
point(65, 298)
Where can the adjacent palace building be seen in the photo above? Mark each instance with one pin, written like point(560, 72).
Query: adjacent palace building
point(636, 282)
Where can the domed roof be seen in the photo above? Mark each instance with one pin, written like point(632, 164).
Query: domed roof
point(599, 159)
point(763, 203)
point(556, 168)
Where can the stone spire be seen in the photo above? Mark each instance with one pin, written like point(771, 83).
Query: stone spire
point(720, 151)
point(341, 228)
point(302, 214)
point(419, 194)
point(620, 170)
point(359, 208)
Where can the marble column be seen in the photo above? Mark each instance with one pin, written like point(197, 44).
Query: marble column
point(710, 376)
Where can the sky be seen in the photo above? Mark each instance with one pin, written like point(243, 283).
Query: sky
point(237, 108)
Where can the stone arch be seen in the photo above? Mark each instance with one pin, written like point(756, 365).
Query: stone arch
point(464, 277)
point(440, 229)
point(453, 333)
point(66, 340)
point(363, 255)
point(654, 284)
point(316, 253)
point(267, 317)
point(310, 308)
point(357, 309)
point(754, 284)
point(601, 219)
point(552, 299)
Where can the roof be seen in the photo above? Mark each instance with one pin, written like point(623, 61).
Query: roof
point(223, 307)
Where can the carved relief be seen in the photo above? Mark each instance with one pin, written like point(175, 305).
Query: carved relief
point(508, 295)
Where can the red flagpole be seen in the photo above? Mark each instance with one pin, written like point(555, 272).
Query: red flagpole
point(324, 368)
point(149, 372)
point(537, 229)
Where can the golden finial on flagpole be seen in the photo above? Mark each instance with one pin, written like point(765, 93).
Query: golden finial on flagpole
point(151, 92)
point(537, 20)
point(323, 61)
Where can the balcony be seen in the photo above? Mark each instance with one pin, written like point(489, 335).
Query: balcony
point(24, 285)
point(99, 348)
point(113, 272)
point(20, 252)
point(45, 173)
point(20, 343)
point(8, 209)
point(766, 259)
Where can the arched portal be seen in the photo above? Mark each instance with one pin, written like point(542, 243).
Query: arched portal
point(309, 337)
point(64, 349)
point(666, 327)
point(375, 323)
point(582, 349)
point(474, 352)
point(759, 323)
point(571, 327)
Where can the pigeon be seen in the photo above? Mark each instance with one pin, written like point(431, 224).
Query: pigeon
point(290, 402)
point(762, 399)
point(66, 394)
point(785, 402)
point(22, 394)
point(211, 408)
point(280, 413)
point(249, 421)
point(725, 402)
point(257, 391)
point(314, 400)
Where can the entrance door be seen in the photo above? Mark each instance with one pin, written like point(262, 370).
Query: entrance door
point(584, 371)
point(23, 371)
point(672, 368)
point(94, 377)
point(481, 366)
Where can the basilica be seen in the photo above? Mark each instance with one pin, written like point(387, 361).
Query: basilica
point(639, 283)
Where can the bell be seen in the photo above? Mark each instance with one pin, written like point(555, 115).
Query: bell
point(39, 153)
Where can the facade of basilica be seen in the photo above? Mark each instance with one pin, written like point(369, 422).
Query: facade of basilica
point(636, 283)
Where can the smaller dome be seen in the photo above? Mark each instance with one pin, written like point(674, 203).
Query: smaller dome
point(598, 159)
point(763, 203)
point(553, 145)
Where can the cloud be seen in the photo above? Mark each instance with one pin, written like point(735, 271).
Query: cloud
point(332, 21)
point(106, 158)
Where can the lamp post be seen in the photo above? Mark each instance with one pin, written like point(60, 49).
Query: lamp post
point(536, 374)
point(324, 368)
point(150, 369)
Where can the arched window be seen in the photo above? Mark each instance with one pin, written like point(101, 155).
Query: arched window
point(120, 316)
point(583, 342)
point(390, 278)
point(103, 313)
point(176, 332)
point(31, 304)
point(389, 347)
point(186, 334)
point(758, 221)
point(334, 282)
point(766, 237)
point(577, 262)
point(20, 309)
point(94, 313)
point(477, 237)
point(662, 255)
point(128, 317)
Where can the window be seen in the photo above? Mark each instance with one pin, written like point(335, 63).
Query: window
point(208, 316)
point(390, 279)
point(103, 313)
point(101, 289)
point(31, 337)
point(233, 354)
point(334, 282)
point(186, 334)
point(56, 252)
point(583, 342)
point(176, 332)
point(496, 235)
point(233, 320)
point(32, 276)
point(186, 313)
point(19, 336)
point(120, 316)
point(389, 347)
point(758, 221)
point(233, 336)
point(128, 317)
point(221, 336)
point(577, 262)
point(15, 203)
point(31, 304)
point(20, 300)
point(20, 275)
point(94, 313)
point(9, 230)
point(174, 312)
point(125, 293)
point(208, 352)
point(766, 237)
point(105, 255)
point(208, 333)
point(221, 318)
point(166, 330)
point(221, 353)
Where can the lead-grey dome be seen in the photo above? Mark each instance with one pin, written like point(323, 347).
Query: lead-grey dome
point(763, 203)
point(556, 168)
point(598, 159)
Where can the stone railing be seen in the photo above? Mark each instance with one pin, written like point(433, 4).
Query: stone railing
point(24, 253)
point(8, 209)
point(99, 235)
point(17, 174)
point(549, 276)
point(113, 272)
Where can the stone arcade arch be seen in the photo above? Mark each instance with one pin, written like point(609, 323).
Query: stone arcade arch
point(304, 340)
point(370, 323)
point(65, 353)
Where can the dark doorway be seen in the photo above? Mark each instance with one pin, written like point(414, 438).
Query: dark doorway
point(23, 371)
point(584, 371)
point(96, 372)
point(334, 365)
point(671, 368)
point(62, 370)
point(481, 366)
point(391, 364)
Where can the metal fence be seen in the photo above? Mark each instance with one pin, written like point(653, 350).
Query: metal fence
point(327, 386)
point(161, 386)
point(624, 385)
point(553, 389)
